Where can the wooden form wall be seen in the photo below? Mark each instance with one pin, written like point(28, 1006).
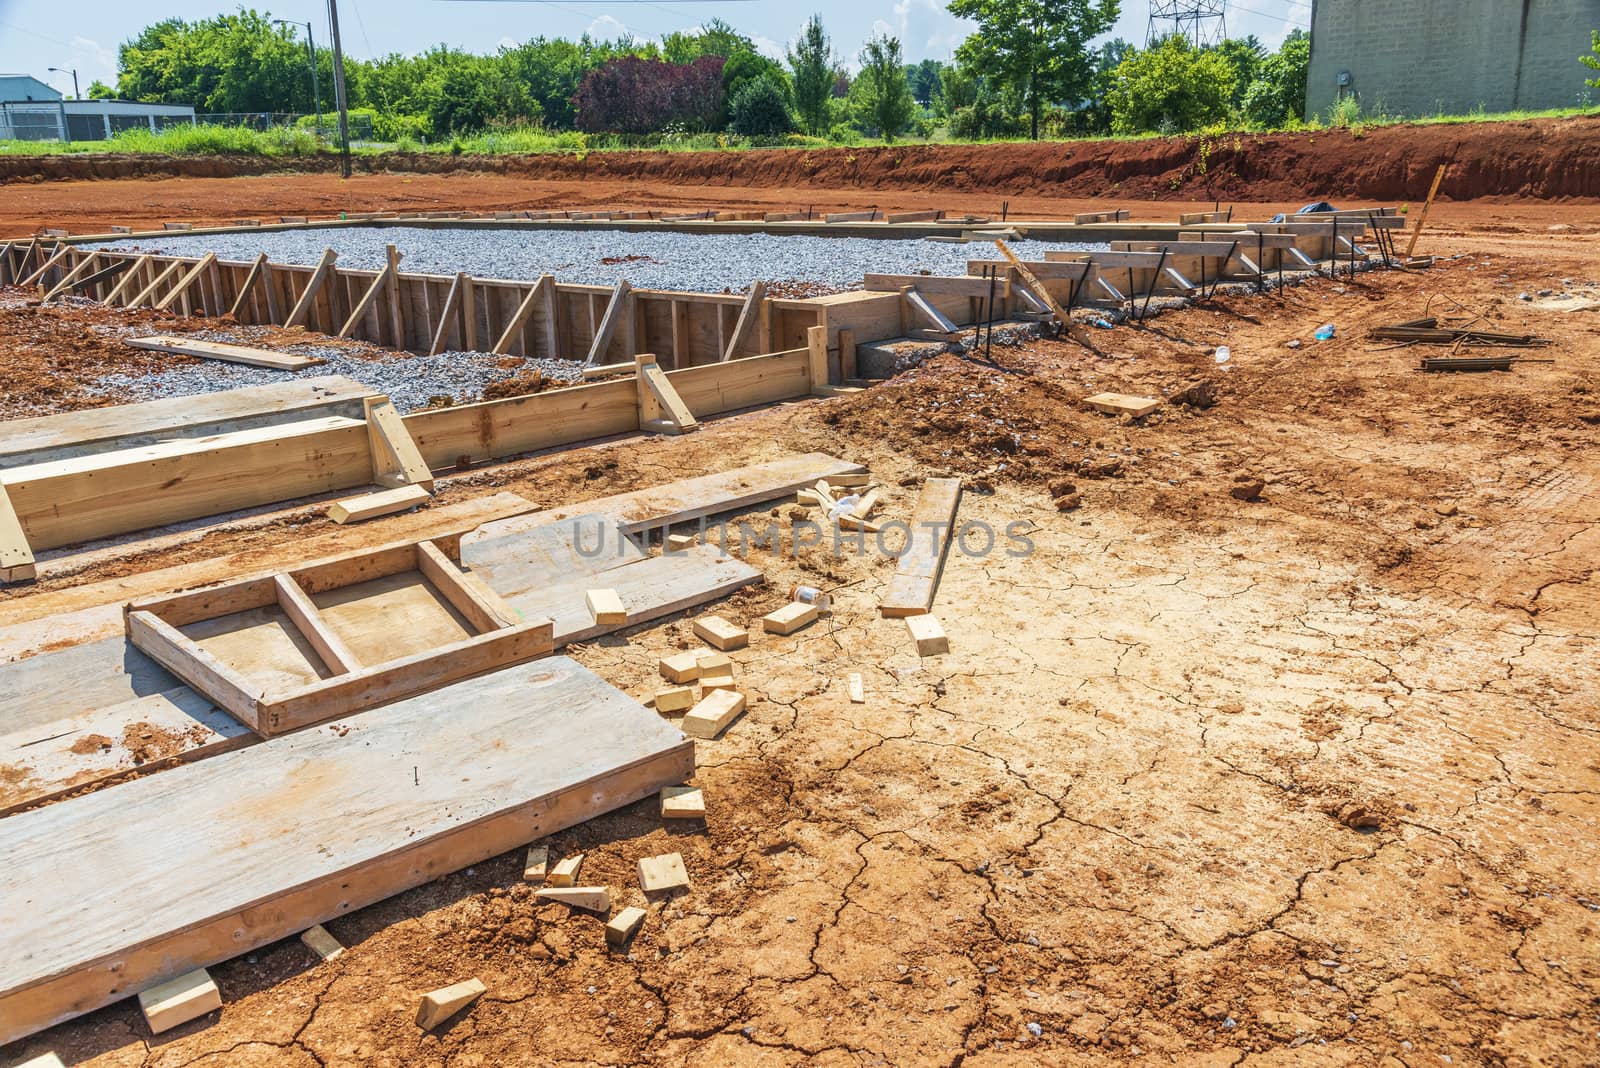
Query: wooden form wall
point(680, 329)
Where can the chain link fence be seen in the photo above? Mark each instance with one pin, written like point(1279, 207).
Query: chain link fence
point(324, 125)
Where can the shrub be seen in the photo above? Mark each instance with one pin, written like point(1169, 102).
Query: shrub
point(641, 96)
point(760, 110)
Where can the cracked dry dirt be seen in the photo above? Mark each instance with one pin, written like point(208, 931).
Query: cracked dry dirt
point(1306, 780)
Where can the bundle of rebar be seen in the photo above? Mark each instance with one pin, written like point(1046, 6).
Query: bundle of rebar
point(1429, 332)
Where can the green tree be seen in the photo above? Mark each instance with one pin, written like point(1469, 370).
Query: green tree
point(883, 97)
point(1245, 55)
point(1170, 87)
point(926, 81)
point(99, 90)
point(813, 65)
point(1037, 49)
point(761, 110)
point(1592, 60)
point(1278, 93)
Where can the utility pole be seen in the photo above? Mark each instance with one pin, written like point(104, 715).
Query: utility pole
point(338, 89)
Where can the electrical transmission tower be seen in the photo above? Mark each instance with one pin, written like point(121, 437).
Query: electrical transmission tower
point(1203, 22)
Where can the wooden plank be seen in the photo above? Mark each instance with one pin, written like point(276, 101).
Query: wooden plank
point(160, 279)
point(308, 619)
point(183, 284)
point(817, 357)
point(383, 502)
point(608, 324)
point(937, 286)
point(216, 350)
point(482, 607)
point(245, 848)
point(917, 571)
point(930, 314)
point(130, 280)
point(59, 255)
point(652, 380)
point(302, 307)
point(83, 266)
point(398, 336)
point(16, 556)
point(1039, 290)
point(713, 714)
point(912, 216)
point(167, 646)
point(251, 278)
point(447, 315)
point(748, 314)
point(396, 460)
point(53, 437)
point(379, 285)
point(469, 314)
point(520, 316)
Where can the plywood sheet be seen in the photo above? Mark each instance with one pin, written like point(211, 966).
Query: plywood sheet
point(262, 645)
point(387, 618)
point(209, 860)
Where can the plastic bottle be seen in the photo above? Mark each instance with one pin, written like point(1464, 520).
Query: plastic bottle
point(812, 596)
point(1224, 354)
point(844, 506)
point(1325, 332)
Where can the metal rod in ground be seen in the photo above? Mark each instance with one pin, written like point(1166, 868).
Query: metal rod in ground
point(988, 345)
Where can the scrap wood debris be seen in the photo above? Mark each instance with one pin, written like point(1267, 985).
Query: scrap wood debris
point(1429, 332)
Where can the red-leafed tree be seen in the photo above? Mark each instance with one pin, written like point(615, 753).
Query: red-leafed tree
point(640, 96)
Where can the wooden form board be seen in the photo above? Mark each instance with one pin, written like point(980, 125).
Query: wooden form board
point(212, 350)
point(243, 644)
point(916, 575)
point(252, 846)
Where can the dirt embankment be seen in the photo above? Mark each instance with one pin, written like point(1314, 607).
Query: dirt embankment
point(1547, 160)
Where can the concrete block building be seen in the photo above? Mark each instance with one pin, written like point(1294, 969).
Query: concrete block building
point(1411, 58)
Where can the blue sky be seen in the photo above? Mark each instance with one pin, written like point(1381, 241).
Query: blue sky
point(36, 34)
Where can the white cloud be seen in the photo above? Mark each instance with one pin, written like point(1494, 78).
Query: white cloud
point(768, 47)
point(91, 59)
point(606, 28)
point(507, 42)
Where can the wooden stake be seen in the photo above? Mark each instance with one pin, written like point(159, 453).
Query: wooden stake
point(748, 315)
point(1438, 177)
point(257, 269)
point(150, 289)
point(524, 309)
point(608, 323)
point(452, 301)
point(59, 255)
point(398, 337)
point(817, 343)
point(302, 307)
point(129, 279)
point(185, 282)
point(379, 284)
point(1037, 286)
point(72, 276)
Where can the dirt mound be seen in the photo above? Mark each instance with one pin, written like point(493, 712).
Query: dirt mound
point(1547, 159)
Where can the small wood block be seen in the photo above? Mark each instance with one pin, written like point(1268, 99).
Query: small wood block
point(1122, 404)
point(606, 607)
point(851, 481)
point(790, 618)
point(712, 715)
point(441, 1004)
point(677, 543)
point(680, 667)
point(588, 898)
point(177, 1001)
point(675, 699)
point(683, 803)
point(809, 497)
point(720, 633)
point(565, 873)
point(858, 688)
point(537, 864)
point(716, 680)
point(320, 942)
point(663, 874)
point(383, 502)
point(928, 634)
point(624, 925)
point(713, 663)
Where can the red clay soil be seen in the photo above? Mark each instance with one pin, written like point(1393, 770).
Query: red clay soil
point(1546, 159)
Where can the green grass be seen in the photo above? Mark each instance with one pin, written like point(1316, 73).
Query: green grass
point(529, 140)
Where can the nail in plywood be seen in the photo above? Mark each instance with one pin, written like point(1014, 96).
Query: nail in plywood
point(396, 460)
point(679, 667)
point(790, 618)
point(683, 803)
point(177, 1001)
point(16, 557)
point(663, 874)
point(565, 872)
point(383, 502)
point(720, 633)
point(1123, 404)
point(302, 307)
point(537, 864)
point(624, 925)
point(213, 350)
point(674, 699)
point(858, 688)
point(917, 571)
point(928, 634)
point(712, 715)
point(606, 607)
point(439, 1005)
point(588, 898)
point(324, 945)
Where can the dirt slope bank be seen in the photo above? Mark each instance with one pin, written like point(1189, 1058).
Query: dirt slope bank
point(1547, 160)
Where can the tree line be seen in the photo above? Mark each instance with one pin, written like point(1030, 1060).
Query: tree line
point(1033, 68)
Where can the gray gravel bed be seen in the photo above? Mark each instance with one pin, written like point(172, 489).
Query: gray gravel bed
point(699, 263)
point(410, 381)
